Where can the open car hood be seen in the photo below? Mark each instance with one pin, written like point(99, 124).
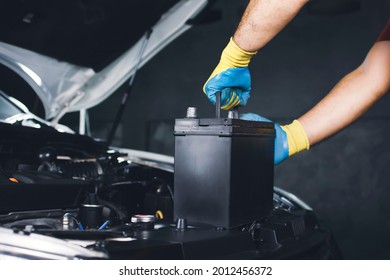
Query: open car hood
point(75, 54)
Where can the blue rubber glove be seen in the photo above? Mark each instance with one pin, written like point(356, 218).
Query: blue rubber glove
point(289, 140)
point(231, 77)
point(234, 85)
point(281, 143)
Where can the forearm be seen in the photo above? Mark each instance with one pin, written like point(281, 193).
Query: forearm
point(351, 97)
point(263, 19)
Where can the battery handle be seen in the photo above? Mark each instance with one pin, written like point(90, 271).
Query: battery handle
point(218, 107)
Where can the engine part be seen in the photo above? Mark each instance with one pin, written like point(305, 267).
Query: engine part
point(25, 245)
point(40, 191)
point(91, 215)
point(81, 168)
point(145, 221)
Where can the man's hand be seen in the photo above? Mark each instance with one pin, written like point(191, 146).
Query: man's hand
point(231, 77)
point(290, 139)
point(262, 20)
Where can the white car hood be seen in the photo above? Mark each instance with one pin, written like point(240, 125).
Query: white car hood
point(64, 87)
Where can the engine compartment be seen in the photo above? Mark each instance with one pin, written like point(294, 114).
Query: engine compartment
point(74, 188)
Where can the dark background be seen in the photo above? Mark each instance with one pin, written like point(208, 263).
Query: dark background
point(346, 178)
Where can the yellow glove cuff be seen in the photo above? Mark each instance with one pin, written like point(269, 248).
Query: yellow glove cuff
point(296, 138)
point(234, 56)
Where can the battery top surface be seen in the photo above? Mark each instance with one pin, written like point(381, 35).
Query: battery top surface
point(223, 126)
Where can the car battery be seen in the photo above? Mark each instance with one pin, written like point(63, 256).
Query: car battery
point(224, 170)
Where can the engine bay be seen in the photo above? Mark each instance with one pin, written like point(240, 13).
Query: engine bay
point(75, 189)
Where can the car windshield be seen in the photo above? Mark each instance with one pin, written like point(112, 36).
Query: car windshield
point(7, 109)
